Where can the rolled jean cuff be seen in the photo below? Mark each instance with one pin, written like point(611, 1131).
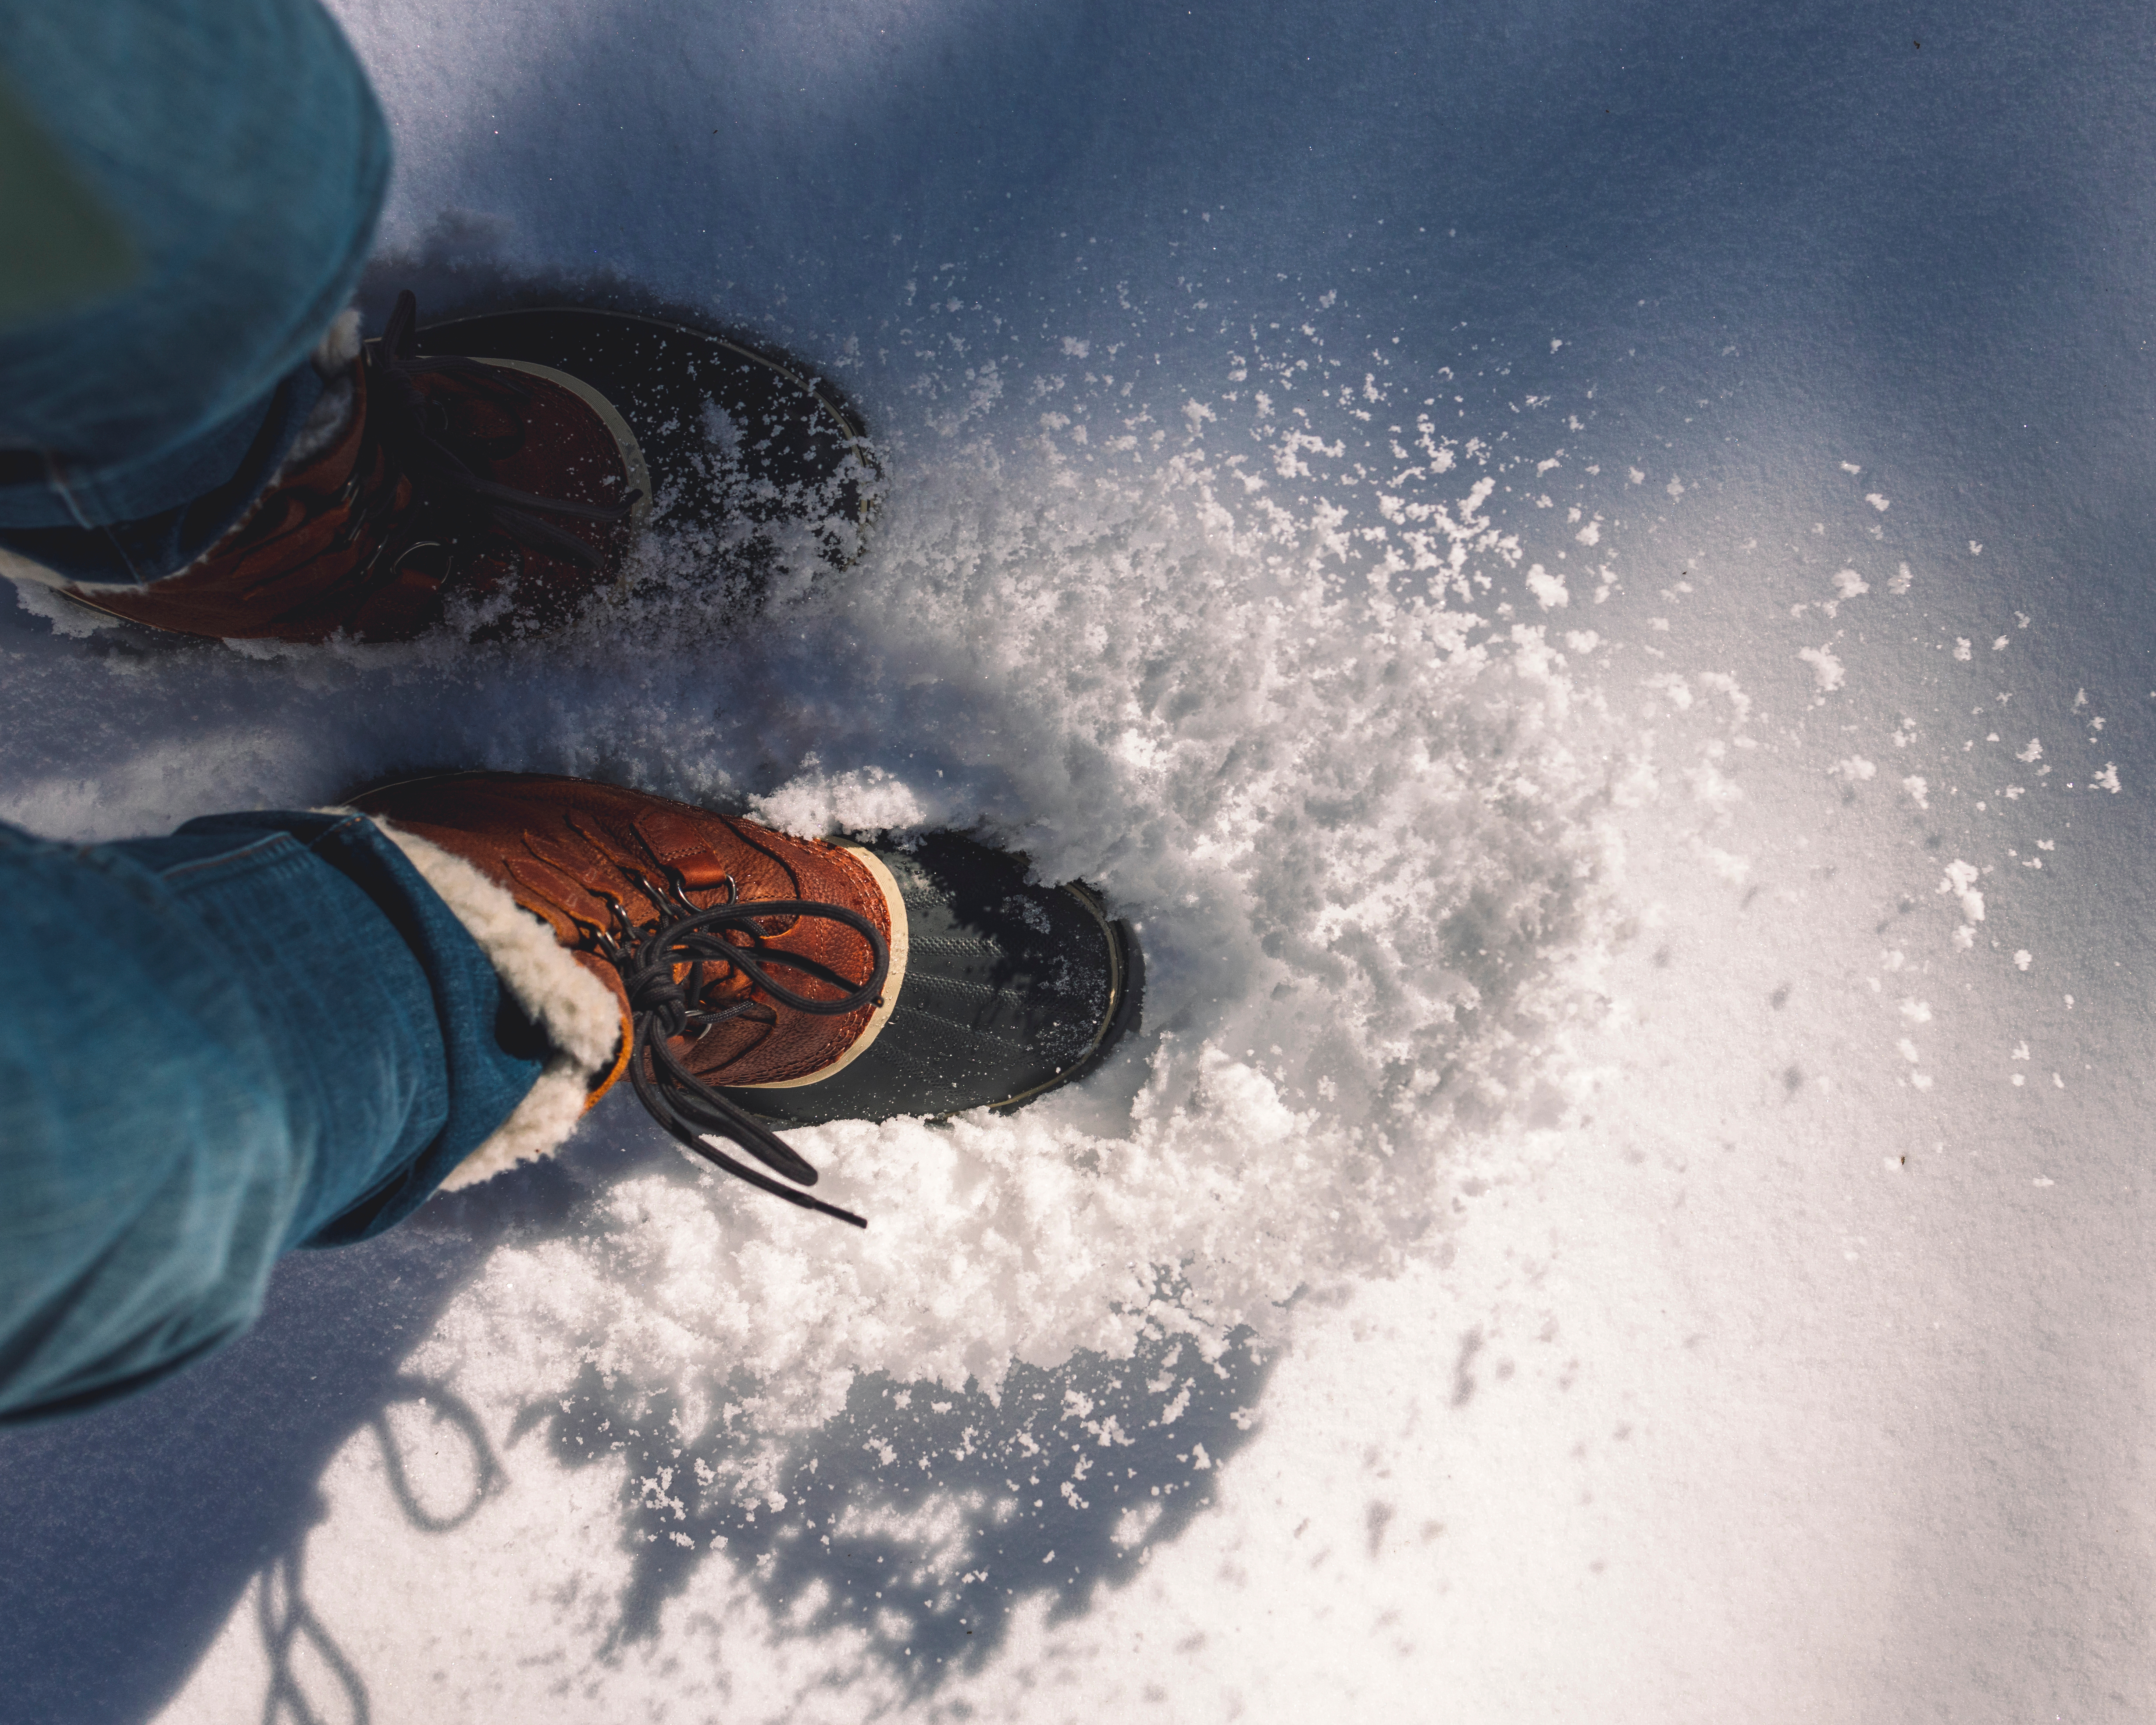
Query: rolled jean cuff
point(238, 147)
point(266, 1030)
point(492, 1050)
point(130, 525)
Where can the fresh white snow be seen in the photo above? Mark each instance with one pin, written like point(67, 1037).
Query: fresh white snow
point(1627, 1204)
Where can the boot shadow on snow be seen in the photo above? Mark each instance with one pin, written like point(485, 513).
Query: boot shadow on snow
point(922, 1517)
point(926, 1517)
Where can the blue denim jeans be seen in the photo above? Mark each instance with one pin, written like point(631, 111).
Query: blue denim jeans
point(264, 1031)
point(238, 146)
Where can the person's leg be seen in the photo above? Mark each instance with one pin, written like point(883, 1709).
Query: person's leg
point(202, 447)
point(264, 1031)
point(275, 1030)
point(236, 146)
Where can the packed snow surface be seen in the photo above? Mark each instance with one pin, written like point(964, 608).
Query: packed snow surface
point(1624, 1201)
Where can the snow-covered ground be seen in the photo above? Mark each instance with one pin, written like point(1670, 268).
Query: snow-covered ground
point(1583, 574)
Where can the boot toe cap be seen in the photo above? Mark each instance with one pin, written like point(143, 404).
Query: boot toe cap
point(1011, 989)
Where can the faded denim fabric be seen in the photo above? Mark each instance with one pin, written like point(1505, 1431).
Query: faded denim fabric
point(265, 1031)
point(243, 152)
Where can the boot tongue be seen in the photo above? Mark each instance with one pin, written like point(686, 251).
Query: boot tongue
point(556, 886)
point(679, 842)
point(583, 867)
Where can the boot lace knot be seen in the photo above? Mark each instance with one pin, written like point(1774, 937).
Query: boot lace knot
point(670, 968)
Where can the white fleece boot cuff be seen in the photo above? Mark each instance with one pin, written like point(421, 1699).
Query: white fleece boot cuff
point(577, 1011)
point(332, 359)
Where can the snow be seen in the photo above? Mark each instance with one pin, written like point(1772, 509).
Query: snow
point(1529, 1260)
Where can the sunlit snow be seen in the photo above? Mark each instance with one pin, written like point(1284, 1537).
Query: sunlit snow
point(1626, 1203)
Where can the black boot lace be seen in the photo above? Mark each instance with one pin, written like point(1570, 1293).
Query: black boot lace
point(414, 427)
point(661, 1008)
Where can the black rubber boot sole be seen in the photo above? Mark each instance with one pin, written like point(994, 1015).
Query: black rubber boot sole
point(740, 445)
point(1011, 990)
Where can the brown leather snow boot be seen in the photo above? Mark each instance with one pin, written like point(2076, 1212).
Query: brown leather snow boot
point(765, 980)
point(511, 490)
point(740, 957)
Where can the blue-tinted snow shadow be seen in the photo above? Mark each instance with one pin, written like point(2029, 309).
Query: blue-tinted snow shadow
point(1910, 217)
point(134, 1531)
point(924, 1516)
point(1920, 230)
point(1901, 191)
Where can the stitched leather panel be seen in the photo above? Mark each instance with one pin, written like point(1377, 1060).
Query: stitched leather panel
point(683, 844)
point(324, 549)
point(557, 844)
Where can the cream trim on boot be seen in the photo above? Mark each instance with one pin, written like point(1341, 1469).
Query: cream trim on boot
point(577, 1011)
